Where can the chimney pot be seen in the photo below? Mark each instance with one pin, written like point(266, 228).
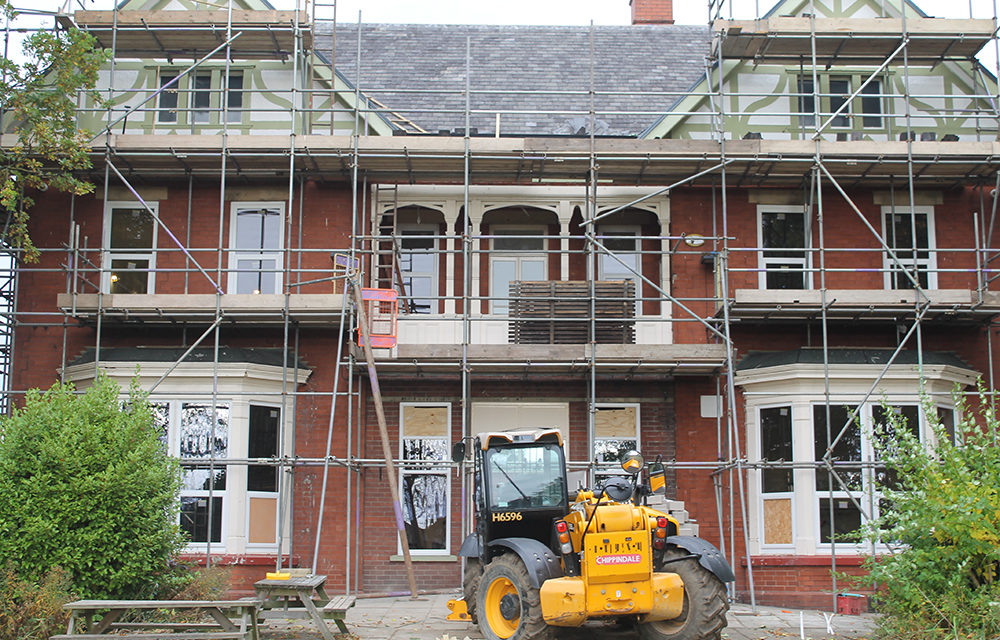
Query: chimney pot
point(652, 11)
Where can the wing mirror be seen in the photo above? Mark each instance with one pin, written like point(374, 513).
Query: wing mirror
point(632, 462)
point(458, 452)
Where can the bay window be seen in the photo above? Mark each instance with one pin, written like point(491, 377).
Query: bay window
point(231, 507)
point(801, 505)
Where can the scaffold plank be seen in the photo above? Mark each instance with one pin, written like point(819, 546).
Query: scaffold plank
point(847, 40)
point(159, 34)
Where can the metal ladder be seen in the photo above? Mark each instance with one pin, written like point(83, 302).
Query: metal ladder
point(323, 17)
point(387, 270)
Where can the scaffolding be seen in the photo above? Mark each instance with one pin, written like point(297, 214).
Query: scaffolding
point(326, 131)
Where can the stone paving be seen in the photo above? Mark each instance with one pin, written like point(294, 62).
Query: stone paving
point(403, 618)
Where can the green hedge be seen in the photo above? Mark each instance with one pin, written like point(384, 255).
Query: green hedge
point(89, 487)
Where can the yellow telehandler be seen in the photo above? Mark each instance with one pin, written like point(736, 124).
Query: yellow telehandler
point(540, 558)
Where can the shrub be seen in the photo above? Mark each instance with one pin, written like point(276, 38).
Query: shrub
point(210, 583)
point(89, 486)
point(942, 579)
point(32, 610)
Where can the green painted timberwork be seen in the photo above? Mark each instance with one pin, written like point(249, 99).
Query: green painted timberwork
point(962, 109)
point(265, 108)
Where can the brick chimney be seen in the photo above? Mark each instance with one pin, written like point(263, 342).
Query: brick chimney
point(652, 11)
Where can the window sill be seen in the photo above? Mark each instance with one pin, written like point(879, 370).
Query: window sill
point(422, 558)
point(803, 561)
point(234, 560)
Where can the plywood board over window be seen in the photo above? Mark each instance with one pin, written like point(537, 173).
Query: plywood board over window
point(263, 521)
point(425, 421)
point(615, 422)
point(778, 521)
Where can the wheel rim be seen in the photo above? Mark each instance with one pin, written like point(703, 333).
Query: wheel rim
point(670, 627)
point(495, 593)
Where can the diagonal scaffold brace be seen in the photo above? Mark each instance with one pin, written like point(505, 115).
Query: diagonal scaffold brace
point(390, 467)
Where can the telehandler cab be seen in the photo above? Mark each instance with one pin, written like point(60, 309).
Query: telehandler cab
point(541, 558)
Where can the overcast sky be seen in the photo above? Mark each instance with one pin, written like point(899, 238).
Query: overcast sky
point(575, 12)
point(550, 12)
point(580, 11)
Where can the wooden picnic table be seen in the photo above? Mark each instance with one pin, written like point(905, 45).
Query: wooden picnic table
point(100, 619)
point(303, 597)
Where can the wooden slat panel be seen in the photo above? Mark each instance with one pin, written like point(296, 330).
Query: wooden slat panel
point(564, 310)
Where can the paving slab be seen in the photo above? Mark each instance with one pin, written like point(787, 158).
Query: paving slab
point(404, 618)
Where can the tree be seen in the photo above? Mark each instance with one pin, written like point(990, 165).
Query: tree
point(89, 486)
point(38, 103)
point(943, 525)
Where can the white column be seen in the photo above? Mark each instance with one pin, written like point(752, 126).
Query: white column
point(474, 217)
point(564, 213)
point(666, 308)
point(450, 221)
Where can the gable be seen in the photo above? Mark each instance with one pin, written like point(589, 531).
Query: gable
point(767, 61)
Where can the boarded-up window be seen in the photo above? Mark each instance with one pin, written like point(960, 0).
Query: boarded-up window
point(263, 521)
point(778, 521)
point(424, 440)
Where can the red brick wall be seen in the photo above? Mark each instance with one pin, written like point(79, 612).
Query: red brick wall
point(379, 574)
point(671, 421)
point(803, 582)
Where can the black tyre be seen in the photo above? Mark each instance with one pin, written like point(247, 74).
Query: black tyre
point(470, 586)
point(705, 604)
point(507, 606)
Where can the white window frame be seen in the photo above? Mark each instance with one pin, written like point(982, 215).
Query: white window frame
point(622, 231)
point(802, 387)
point(226, 495)
point(868, 496)
point(423, 230)
point(928, 264)
point(763, 261)
point(276, 494)
point(440, 470)
point(502, 307)
point(617, 471)
point(759, 477)
point(109, 254)
point(236, 254)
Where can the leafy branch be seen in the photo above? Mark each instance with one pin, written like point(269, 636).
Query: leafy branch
point(38, 99)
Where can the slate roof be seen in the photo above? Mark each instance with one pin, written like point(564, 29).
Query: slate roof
point(396, 58)
point(761, 359)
